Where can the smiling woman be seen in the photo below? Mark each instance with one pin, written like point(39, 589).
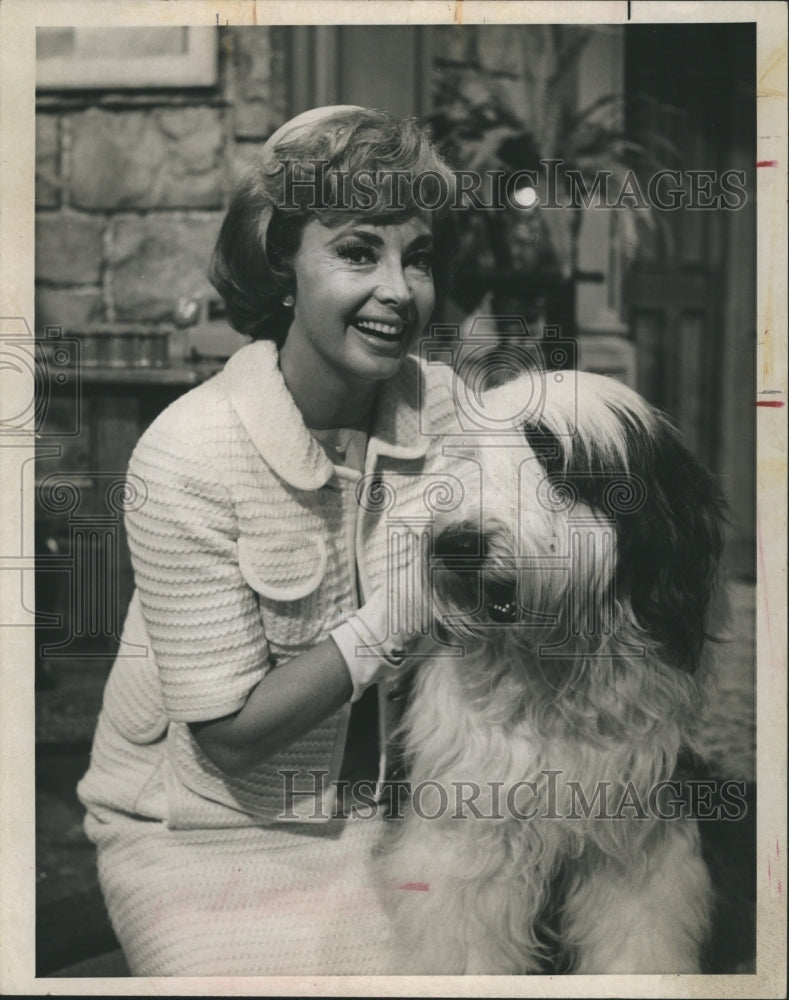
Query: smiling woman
point(265, 576)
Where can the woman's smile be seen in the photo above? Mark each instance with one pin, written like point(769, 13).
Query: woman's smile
point(383, 329)
point(381, 335)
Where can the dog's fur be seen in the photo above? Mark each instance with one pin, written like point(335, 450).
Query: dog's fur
point(577, 575)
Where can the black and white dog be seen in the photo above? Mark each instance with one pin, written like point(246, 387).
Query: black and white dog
point(577, 577)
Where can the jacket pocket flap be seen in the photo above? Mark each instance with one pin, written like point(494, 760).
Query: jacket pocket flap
point(284, 567)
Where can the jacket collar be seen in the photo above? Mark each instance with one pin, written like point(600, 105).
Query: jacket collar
point(274, 423)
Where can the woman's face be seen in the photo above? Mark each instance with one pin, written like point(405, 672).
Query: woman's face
point(364, 293)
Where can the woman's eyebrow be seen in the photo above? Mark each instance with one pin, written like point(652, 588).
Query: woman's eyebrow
point(372, 238)
point(363, 234)
point(423, 240)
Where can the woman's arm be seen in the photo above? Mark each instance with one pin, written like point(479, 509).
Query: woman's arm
point(292, 700)
point(286, 704)
point(204, 623)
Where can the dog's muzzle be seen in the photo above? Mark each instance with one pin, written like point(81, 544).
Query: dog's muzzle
point(463, 551)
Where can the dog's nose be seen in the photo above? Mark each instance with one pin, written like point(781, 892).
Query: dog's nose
point(461, 540)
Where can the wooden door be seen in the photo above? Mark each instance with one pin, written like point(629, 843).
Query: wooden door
point(690, 296)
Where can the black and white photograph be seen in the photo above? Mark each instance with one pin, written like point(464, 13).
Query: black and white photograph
point(393, 464)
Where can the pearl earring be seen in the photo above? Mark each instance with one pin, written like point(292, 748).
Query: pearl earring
point(288, 301)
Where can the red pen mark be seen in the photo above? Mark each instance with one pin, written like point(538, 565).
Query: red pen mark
point(777, 849)
point(415, 886)
point(767, 163)
point(780, 888)
point(774, 404)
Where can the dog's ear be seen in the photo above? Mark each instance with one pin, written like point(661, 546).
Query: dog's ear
point(668, 530)
point(669, 549)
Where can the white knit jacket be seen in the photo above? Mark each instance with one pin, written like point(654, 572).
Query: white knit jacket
point(245, 546)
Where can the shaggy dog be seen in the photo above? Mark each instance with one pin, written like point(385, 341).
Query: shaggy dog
point(544, 738)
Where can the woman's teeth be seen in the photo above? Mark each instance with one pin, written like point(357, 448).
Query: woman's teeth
point(379, 329)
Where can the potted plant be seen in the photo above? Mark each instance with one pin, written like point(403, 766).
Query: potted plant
point(522, 258)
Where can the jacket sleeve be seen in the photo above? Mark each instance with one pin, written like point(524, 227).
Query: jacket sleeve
point(202, 617)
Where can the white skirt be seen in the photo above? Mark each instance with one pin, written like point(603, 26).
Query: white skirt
point(250, 901)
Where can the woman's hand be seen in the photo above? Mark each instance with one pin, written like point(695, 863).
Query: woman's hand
point(376, 639)
point(289, 701)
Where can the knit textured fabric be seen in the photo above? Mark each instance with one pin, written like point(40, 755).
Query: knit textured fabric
point(246, 544)
point(253, 902)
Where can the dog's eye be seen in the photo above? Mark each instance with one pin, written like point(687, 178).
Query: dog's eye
point(460, 541)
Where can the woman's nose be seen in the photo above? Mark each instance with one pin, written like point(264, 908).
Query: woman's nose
point(393, 287)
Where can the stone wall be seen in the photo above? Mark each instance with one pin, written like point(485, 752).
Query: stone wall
point(131, 186)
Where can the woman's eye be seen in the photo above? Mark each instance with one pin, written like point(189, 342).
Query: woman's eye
point(422, 260)
point(357, 253)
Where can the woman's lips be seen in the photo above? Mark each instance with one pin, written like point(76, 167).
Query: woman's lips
point(389, 332)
